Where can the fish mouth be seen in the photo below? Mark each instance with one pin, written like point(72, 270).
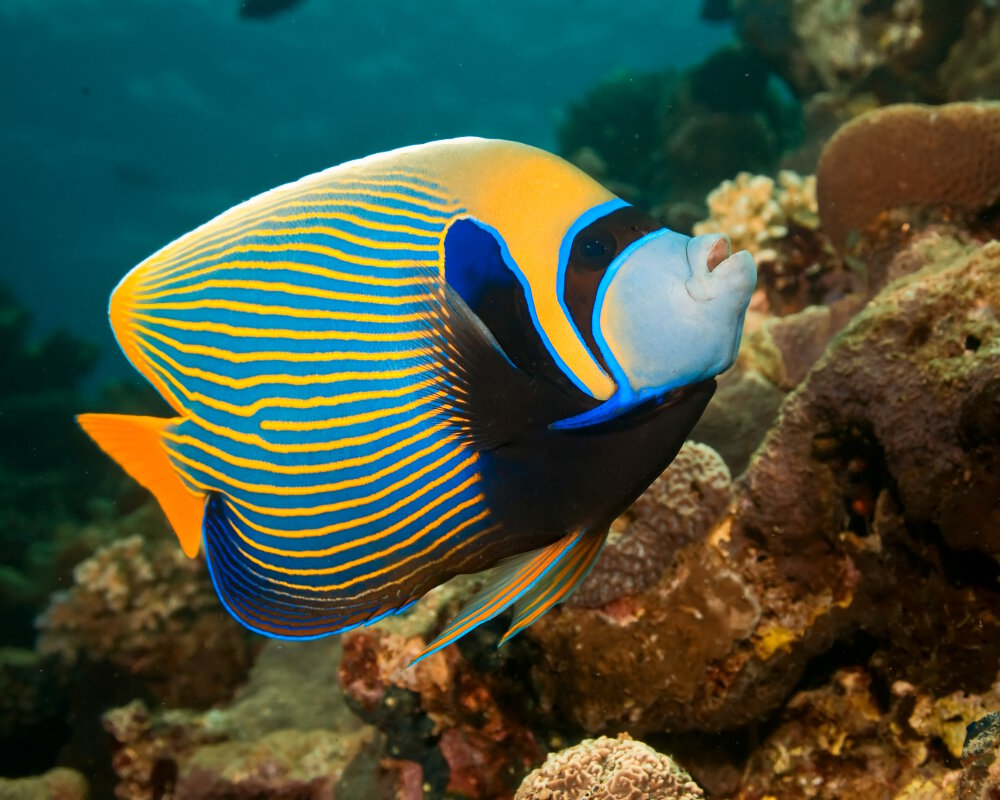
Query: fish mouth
point(716, 270)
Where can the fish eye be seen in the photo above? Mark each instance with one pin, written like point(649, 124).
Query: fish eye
point(595, 249)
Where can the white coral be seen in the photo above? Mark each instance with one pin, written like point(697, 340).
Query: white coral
point(755, 212)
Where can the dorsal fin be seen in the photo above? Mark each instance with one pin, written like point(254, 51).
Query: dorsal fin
point(136, 444)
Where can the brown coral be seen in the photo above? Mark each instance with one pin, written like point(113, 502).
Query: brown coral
point(439, 708)
point(287, 734)
point(909, 155)
point(609, 769)
point(875, 478)
point(56, 784)
point(142, 605)
point(680, 507)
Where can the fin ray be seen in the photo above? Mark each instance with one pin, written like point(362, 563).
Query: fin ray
point(510, 581)
point(557, 584)
point(135, 443)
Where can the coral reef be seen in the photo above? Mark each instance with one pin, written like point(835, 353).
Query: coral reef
point(843, 740)
point(59, 783)
point(608, 769)
point(909, 155)
point(825, 625)
point(444, 720)
point(679, 508)
point(286, 734)
point(875, 439)
point(142, 605)
point(899, 50)
point(777, 221)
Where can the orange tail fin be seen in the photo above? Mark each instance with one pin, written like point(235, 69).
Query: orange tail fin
point(136, 444)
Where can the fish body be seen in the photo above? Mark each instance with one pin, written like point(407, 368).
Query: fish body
point(423, 363)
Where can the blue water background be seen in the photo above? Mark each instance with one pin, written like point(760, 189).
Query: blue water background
point(127, 122)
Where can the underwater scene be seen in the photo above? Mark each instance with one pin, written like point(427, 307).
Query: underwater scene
point(567, 400)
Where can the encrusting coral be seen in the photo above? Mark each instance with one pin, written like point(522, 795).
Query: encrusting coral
point(755, 211)
point(680, 507)
point(286, 734)
point(59, 783)
point(909, 155)
point(892, 438)
point(777, 222)
point(142, 605)
point(609, 769)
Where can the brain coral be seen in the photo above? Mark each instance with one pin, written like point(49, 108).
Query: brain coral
point(678, 508)
point(909, 155)
point(608, 769)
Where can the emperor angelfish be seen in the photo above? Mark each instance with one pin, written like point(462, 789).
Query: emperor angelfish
point(450, 357)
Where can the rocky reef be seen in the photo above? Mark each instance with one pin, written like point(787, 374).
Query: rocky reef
point(140, 605)
point(804, 605)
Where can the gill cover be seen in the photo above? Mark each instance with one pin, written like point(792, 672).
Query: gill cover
point(667, 317)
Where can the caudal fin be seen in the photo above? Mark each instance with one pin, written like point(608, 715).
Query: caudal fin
point(136, 444)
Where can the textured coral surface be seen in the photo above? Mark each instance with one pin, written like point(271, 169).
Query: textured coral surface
point(909, 155)
point(609, 769)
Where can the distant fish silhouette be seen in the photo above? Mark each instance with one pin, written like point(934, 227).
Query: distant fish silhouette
point(262, 9)
point(419, 364)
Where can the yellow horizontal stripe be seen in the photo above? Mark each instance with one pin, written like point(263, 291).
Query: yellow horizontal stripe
point(283, 311)
point(250, 356)
point(180, 255)
point(258, 441)
point(301, 491)
point(301, 469)
point(279, 379)
point(275, 402)
point(240, 331)
point(301, 194)
point(364, 540)
point(351, 524)
point(323, 230)
point(451, 512)
point(149, 284)
point(382, 588)
point(287, 288)
point(357, 502)
point(350, 419)
point(305, 247)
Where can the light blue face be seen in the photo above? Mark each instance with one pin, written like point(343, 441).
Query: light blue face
point(669, 312)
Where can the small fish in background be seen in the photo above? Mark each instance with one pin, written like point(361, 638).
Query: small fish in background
point(262, 9)
point(450, 357)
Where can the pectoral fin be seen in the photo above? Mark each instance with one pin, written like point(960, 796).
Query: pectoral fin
point(536, 581)
point(136, 444)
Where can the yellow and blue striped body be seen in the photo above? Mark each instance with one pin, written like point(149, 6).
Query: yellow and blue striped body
point(370, 367)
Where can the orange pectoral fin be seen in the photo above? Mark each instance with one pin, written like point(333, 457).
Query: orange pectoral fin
point(136, 444)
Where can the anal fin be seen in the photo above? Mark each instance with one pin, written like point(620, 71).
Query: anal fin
point(536, 581)
point(136, 444)
point(558, 584)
